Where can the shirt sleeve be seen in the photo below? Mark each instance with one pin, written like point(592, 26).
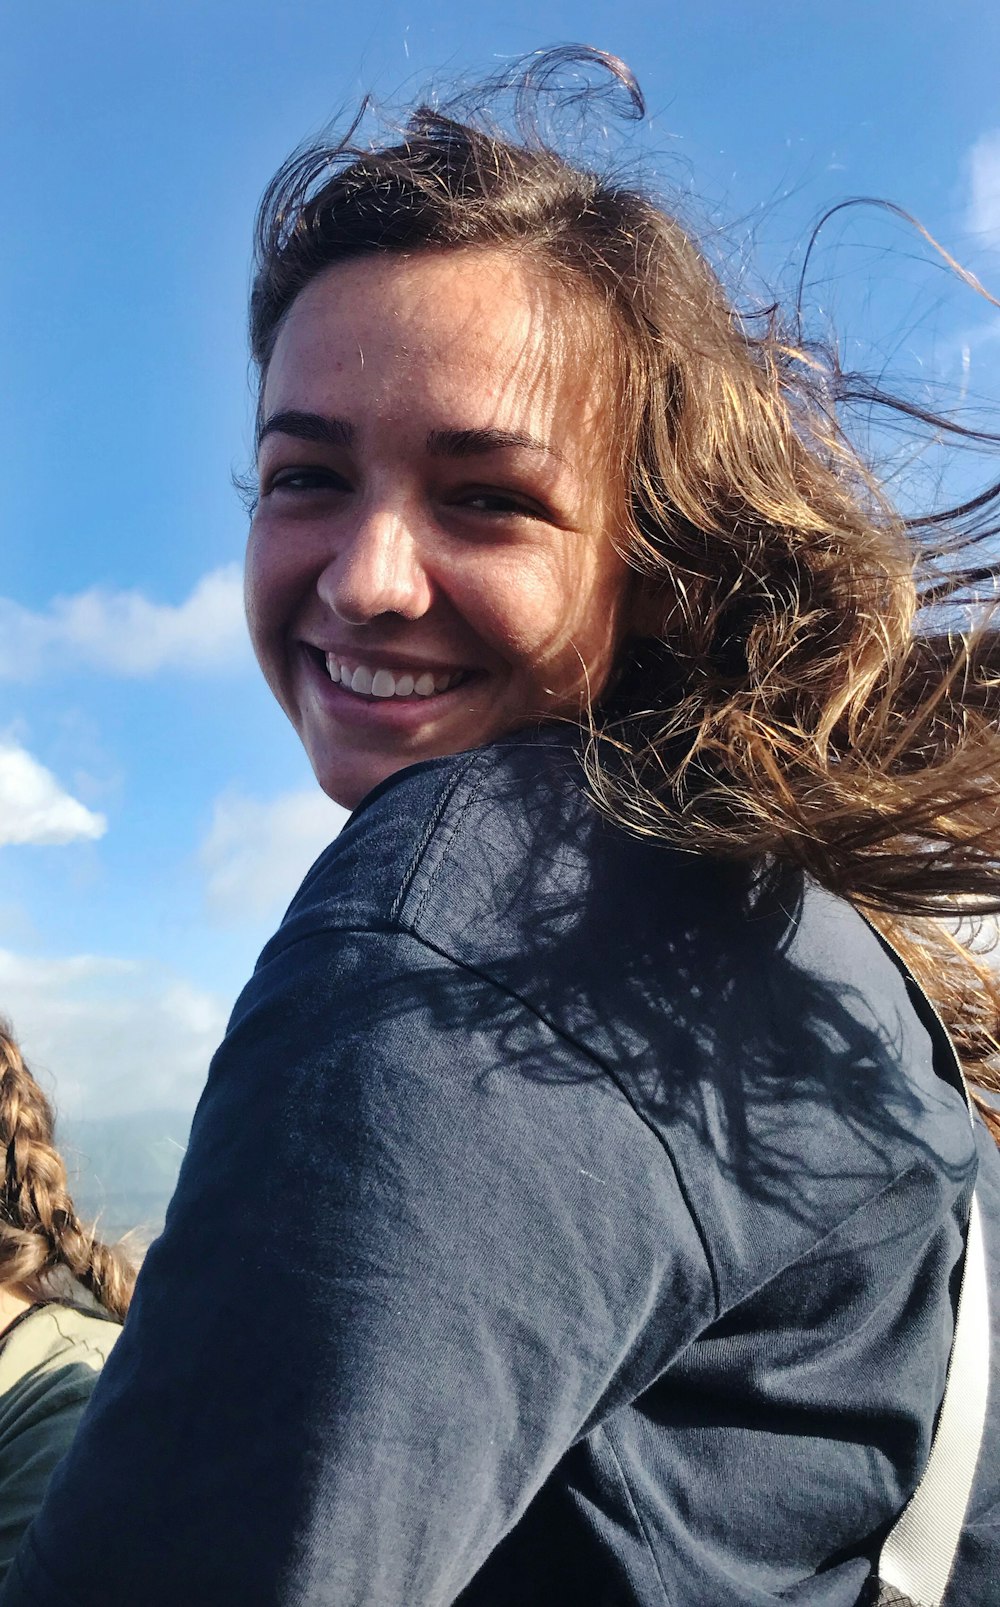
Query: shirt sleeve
point(420, 1245)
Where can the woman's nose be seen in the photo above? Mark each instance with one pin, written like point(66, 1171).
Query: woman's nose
point(376, 570)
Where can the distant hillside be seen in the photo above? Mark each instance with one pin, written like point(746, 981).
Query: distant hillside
point(123, 1168)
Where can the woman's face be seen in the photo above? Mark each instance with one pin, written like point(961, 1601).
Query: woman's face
point(430, 563)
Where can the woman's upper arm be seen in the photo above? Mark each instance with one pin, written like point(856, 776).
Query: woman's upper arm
point(414, 1253)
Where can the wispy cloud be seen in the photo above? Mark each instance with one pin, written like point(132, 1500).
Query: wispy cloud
point(110, 1036)
point(984, 189)
point(34, 808)
point(125, 633)
point(256, 853)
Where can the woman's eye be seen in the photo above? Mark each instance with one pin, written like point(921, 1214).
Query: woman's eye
point(306, 480)
point(502, 503)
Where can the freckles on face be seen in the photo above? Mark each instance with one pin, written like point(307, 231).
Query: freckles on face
point(431, 562)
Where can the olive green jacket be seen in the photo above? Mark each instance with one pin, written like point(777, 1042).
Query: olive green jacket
point(49, 1362)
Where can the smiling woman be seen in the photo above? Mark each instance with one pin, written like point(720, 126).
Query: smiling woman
point(430, 563)
point(578, 1205)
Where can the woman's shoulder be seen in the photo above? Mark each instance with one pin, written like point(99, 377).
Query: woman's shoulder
point(509, 826)
point(52, 1337)
point(500, 859)
point(749, 1016)
point(745, 1013)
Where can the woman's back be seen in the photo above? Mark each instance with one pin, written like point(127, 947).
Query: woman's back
point(623, 1198)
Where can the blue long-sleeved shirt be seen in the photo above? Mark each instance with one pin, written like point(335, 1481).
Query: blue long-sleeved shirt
point(566, 1220)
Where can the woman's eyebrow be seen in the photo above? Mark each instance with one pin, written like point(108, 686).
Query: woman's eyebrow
point(456, 443)
point(473, 442)
point(308, 427)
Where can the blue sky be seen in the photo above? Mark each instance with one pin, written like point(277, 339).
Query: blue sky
point(155, 810)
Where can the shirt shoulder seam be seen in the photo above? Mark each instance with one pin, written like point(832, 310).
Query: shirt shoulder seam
point(914, 1168)
point(432, 825)
point(588, 1054)
point(633, 1508)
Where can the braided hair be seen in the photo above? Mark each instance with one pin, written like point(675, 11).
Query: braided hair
point(40, 1231)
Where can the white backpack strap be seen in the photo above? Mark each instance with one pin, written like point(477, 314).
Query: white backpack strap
point(919, 1551)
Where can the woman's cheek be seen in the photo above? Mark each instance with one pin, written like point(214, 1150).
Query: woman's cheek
point(514, 604)
point(265, 587)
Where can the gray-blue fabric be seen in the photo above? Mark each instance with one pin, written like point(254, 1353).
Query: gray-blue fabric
point(566, 1220)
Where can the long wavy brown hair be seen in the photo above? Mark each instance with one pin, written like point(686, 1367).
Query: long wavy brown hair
point(819, 678)
point(40, 1231)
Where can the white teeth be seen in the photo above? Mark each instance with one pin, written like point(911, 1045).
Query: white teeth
point(383, 683)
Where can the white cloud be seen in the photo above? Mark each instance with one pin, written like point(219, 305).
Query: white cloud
point(109, 1036)
point(124, 633)
point(33, 806)
point(984, 189)
point(255, 854)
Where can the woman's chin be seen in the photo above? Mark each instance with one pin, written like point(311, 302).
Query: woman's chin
point(349, 784)
point(350, 760)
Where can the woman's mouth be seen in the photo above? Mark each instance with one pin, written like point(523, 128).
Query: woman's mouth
point(369, 680)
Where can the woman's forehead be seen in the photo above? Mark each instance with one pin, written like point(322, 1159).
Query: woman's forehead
point(483, 319)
